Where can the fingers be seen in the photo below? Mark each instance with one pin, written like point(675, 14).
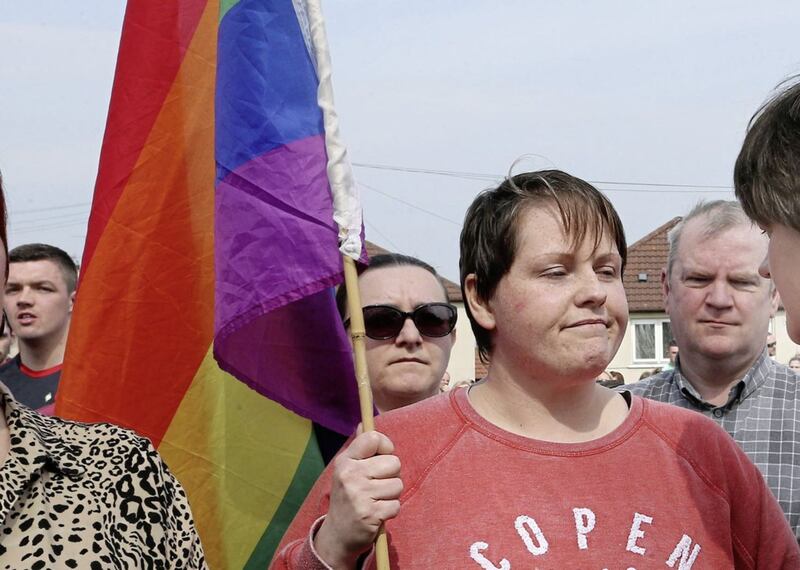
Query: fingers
point(386, 510)
point(386, 489)
point(359, 474)
point(369, 444)
point(382, 466)
point(365, 492)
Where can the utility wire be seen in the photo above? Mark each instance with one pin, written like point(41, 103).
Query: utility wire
point(495, 177)
point(26, 230)
point(375, 229)
point(451, 173)
point(14, 212)
point(61, 217)
point(410, 205)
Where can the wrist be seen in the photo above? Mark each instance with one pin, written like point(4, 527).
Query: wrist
point(330, 549)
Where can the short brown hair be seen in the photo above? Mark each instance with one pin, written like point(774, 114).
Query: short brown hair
point(45, 252)
point(489, 236)
point(767, 172)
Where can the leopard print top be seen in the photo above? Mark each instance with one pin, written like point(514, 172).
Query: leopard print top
point(92, 496)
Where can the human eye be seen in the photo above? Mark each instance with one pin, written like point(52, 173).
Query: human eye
point(554, 272)
point(610, 271)
point(696, 280)
point(744, 283)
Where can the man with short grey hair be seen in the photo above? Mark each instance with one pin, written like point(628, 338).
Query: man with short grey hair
point(719, 308)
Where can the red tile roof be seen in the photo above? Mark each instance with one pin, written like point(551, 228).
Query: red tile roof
point(453, 289)
point(642, 277)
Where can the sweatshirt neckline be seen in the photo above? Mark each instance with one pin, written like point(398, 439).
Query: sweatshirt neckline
point(618, 435)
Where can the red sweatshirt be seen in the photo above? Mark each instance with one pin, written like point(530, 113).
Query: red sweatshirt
point(667, 489)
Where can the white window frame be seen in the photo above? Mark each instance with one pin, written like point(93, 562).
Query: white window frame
point(659, 341)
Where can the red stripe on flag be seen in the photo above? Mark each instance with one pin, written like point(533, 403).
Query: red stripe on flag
point(155, 37)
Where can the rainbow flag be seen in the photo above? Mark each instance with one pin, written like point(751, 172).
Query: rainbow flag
point(212, 235)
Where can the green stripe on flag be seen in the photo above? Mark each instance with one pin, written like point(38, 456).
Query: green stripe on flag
point(225, 6)
point(308, 470)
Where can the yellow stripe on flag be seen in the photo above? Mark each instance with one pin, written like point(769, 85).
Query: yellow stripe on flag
point(235, 452)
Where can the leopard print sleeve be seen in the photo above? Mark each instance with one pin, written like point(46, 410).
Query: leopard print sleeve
point(155, 523)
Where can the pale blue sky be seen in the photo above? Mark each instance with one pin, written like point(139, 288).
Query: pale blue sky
point(625, 91)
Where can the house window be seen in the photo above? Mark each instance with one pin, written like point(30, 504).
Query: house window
point(651, 340)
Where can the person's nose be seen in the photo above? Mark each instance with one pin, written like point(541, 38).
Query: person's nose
point(719, 295)
point(591, 291)
point(25, 297)
point(408, 335)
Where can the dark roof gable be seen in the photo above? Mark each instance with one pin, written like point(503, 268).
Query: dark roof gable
point(646, 258)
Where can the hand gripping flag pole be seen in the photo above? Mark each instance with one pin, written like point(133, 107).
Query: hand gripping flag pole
point(347, 214)
point(357, 334)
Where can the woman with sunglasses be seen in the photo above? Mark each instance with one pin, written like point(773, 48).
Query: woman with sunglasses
point(538, 466)
point(410, 327)
point(78, 495)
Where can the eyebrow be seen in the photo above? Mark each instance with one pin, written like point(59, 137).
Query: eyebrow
point(748, 276)
point(33, 283)
point(568, 255)
point(610, 256)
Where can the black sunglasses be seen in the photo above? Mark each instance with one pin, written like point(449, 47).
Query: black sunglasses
point(382, 322)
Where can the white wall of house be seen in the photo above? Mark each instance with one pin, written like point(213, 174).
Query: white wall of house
point(462, 357)
point(786, 348)
point(627, 361)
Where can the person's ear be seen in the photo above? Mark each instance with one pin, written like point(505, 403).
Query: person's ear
point(665, 288)
point(774, 299)
point(480, 308)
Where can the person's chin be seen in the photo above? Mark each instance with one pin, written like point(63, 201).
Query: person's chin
point(720, 350)
point(410, 384)
point(595, 352)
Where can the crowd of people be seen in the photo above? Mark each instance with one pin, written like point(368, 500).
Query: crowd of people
point(523, 467)
point(515, 467)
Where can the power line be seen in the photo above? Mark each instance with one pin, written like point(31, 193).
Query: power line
point(410, 205)
point(13, 212)
point(26, 230)
point(451, 173)
point(374, 228)
point(495, 177)
point(62, 217)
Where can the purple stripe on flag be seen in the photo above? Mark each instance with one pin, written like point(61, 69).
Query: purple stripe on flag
point(277, 258)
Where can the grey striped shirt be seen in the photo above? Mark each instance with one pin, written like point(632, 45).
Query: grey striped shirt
point(762, 415)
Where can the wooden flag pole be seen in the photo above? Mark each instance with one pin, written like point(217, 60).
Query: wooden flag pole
point(357, 334)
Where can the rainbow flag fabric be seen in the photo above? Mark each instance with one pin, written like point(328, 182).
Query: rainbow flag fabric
point(205, 317)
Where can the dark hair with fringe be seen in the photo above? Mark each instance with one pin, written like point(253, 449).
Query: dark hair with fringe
point(491, 226)
point(386, 260)
point(45, 252)
point(767, 172)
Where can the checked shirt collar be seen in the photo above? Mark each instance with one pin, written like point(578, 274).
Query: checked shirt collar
point(755, 378)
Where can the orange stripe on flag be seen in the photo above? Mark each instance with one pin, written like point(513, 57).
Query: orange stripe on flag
point(144, 314)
